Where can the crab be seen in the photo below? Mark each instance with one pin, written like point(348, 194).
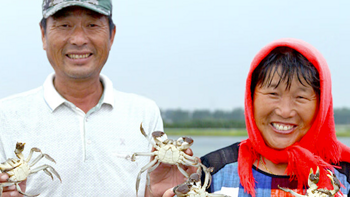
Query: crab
point(313, 190)
point(167, 151)
point(19, 169)
point(194, 188)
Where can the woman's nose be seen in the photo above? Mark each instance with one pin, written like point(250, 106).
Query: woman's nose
point(285, 108)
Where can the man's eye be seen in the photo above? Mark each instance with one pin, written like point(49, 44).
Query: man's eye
point(92, 25)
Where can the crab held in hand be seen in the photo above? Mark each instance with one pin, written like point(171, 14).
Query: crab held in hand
point(166, 151)
point(313, 190)
point(19, 169)
point(194, 188)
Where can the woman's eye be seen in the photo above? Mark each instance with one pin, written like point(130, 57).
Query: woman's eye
point(301, 97)
point(92, 25)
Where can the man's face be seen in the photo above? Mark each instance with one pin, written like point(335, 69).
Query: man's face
point(77, 42)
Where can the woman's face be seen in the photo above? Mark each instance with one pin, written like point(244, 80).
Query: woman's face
point(282, 115)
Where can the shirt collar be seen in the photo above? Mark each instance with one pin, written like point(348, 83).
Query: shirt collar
point(108, 92)
point(54, 99)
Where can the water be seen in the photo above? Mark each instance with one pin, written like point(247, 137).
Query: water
point(205, 144)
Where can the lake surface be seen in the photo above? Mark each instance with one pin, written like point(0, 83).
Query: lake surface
point(205, 144)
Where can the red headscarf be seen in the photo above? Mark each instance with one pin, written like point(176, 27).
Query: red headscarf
point(319, 146)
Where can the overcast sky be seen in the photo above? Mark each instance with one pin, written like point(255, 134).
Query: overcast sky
point(188, 54)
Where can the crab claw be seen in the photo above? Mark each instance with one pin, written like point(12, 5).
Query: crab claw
point(182, 189)
point(314, 178)
point(159, 137)
point(142, 130)
point(195, 177)
point(158, 134)
point(185, 142)
point(19, 147)
point(335, 182)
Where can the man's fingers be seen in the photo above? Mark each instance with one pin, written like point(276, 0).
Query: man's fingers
point(191, 170)
point(11, 194)
point(169, 193)
point(7, 191)
point(3, 177)
point(9, 188)
point(10, 191)
point(189, 152)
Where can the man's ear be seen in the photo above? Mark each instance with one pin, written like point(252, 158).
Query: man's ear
point(112, 37)
point(43, 36)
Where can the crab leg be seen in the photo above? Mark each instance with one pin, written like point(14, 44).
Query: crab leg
point(21, 192)
point(290, 191)
point(2, 185)
point(45, 169)
point(148, 178)
point(197, 165)
point(144, 168)
point(144, 134)
point(208, 178)
point(191, 159)
point(34, 149)
point(37, 159)
point(8, 165)
point(216, 195)
point(182, 170)
point(142, 154)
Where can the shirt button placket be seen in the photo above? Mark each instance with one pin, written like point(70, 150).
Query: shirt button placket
point(88, 140)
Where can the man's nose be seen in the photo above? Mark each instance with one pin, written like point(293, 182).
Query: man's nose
point(79, 36)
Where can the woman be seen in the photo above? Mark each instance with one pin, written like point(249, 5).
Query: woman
point(290, 124)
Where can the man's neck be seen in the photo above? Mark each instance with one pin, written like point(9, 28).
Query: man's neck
point(85, 94)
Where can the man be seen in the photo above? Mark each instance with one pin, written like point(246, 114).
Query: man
point(77, 117)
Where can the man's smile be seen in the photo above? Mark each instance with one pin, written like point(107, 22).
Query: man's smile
point(79, 56)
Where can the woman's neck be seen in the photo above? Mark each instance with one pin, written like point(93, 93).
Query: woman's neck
point(268, 166)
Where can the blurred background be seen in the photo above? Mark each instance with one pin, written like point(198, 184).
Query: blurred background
point(189, 56)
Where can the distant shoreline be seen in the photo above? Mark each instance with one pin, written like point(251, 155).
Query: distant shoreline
point(341, 132)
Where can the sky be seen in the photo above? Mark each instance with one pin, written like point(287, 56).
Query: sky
point(185, 54)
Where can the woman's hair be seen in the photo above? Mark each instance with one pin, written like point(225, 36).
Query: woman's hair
point(292, 64)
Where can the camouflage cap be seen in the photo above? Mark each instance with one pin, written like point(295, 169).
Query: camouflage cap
point(50, 7)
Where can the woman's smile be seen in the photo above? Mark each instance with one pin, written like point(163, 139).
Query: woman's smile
point(283, 128)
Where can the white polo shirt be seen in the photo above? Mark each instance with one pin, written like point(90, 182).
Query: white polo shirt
point(92, 151)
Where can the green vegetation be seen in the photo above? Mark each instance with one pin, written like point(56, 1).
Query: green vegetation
point(342, 131)
point(206, 132)
point(227, 123)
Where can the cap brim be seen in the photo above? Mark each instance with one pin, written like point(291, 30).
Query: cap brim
point(60, 6)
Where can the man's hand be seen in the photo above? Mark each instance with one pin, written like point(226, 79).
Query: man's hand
point(167, 176)
point(11, 191)
point(169, 193)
